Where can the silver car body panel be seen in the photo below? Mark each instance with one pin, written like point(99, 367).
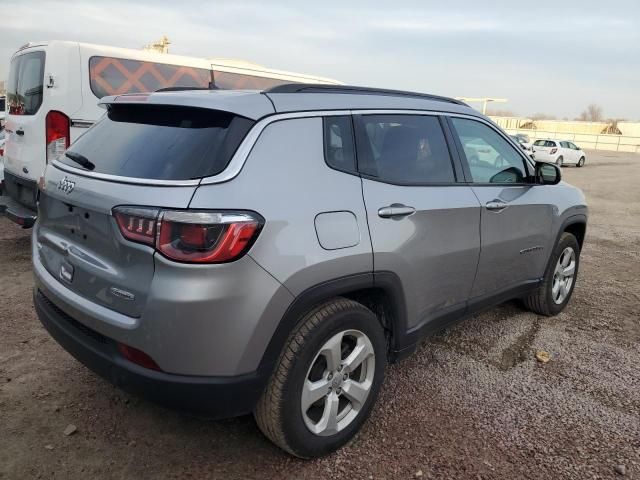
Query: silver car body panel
point(219, 319)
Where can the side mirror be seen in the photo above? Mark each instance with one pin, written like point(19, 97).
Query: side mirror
point(548, 173)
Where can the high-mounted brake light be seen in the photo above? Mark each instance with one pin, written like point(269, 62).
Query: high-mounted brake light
point(58, 134)
point(191, 236)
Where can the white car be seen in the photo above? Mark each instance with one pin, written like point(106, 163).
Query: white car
point(560, 152)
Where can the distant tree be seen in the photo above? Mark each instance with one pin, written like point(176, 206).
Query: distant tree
point(500, 113)
point(542, 116)
point(593, 113)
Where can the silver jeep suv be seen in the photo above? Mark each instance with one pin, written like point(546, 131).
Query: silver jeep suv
point(228, 252)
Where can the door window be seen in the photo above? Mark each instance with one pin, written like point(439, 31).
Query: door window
point(25, 83)
point(564, 144)
point(403, 149)
point(490, 157)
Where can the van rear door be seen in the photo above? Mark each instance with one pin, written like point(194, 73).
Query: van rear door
point(25, 144)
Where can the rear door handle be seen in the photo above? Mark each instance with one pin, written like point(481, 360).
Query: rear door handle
point(396, 210)
point(496, 205)
point(20, 132)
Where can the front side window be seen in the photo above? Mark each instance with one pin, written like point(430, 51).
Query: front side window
point(338, 143)
point(490, 157)
point(25, 83)
point(403, 149)
point(117, 76)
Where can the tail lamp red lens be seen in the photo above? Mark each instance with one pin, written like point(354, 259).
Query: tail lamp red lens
point(553, 150)
point(138, 357)
point(58, 136)
point(191, 236)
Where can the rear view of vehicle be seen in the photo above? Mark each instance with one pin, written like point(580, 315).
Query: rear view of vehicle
point(546, 151)
point(117, 254)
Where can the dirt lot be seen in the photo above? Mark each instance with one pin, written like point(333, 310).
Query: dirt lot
point(472, 403)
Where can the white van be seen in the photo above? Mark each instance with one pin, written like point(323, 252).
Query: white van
point(54, 87)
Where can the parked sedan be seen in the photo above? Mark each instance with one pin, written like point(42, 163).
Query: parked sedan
point(560, 152)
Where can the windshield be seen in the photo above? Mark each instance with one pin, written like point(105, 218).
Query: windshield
point(159, 142)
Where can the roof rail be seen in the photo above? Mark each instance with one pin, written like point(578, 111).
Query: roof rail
point(323, 88)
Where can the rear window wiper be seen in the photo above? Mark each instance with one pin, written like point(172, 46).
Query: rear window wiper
point(80, 160)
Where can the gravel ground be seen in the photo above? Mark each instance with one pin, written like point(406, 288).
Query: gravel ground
point(473, 402)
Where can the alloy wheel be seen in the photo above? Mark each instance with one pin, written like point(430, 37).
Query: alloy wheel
point(338, 382)
point(563, 275)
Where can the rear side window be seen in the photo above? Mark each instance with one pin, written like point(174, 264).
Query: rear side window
point(161, 142)
point(403, 149)
point(339, 151)
point(240, 81)
point(117, 76)
point(25, 83)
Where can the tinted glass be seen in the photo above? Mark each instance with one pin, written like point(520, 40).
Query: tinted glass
point(2, 104)
point(404, 149)
point(490, 157)
point(239, 81)
point(24, 86)
point(116, 76)
point(338, 143)
point(160, 142)
point(564, 144)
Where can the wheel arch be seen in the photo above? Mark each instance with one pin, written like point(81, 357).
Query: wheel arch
point(381, 292)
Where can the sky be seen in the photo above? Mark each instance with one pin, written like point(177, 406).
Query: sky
point(551, 57)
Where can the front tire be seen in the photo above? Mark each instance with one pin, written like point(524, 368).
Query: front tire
point(326, 380)
point(554, 294)
point(581, 162)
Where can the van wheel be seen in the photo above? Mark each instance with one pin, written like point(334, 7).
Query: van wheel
point(326, 381)
point(581, 162)
point(560, 278)
point(559, 161)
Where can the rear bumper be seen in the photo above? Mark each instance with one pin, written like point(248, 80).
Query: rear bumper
point(17, 212)
point(19, 199)
point(217, 397)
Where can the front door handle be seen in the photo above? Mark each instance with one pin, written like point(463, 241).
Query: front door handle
point(396, 210)
point(496, 205)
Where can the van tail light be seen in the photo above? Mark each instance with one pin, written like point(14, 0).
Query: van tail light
point(553, 150)
point(191, 236)
point(57, 133)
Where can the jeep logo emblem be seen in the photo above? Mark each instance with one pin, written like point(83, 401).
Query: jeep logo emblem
point(66, 185)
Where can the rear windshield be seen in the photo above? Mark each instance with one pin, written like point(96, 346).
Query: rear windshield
point(160, 142)
point(24, 86)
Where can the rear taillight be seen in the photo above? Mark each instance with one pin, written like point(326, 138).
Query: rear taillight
point(137, 224)
point(191, 236)
point(57, 134)
point(1, 152)
point(553, 150)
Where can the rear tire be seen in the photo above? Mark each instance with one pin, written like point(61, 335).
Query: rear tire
point(581, 162)
point(554, 294)
point(559, 161)
point(317, 399)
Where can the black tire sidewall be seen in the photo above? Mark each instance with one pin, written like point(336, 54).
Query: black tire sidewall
point(566, 240)
point(298, 436)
